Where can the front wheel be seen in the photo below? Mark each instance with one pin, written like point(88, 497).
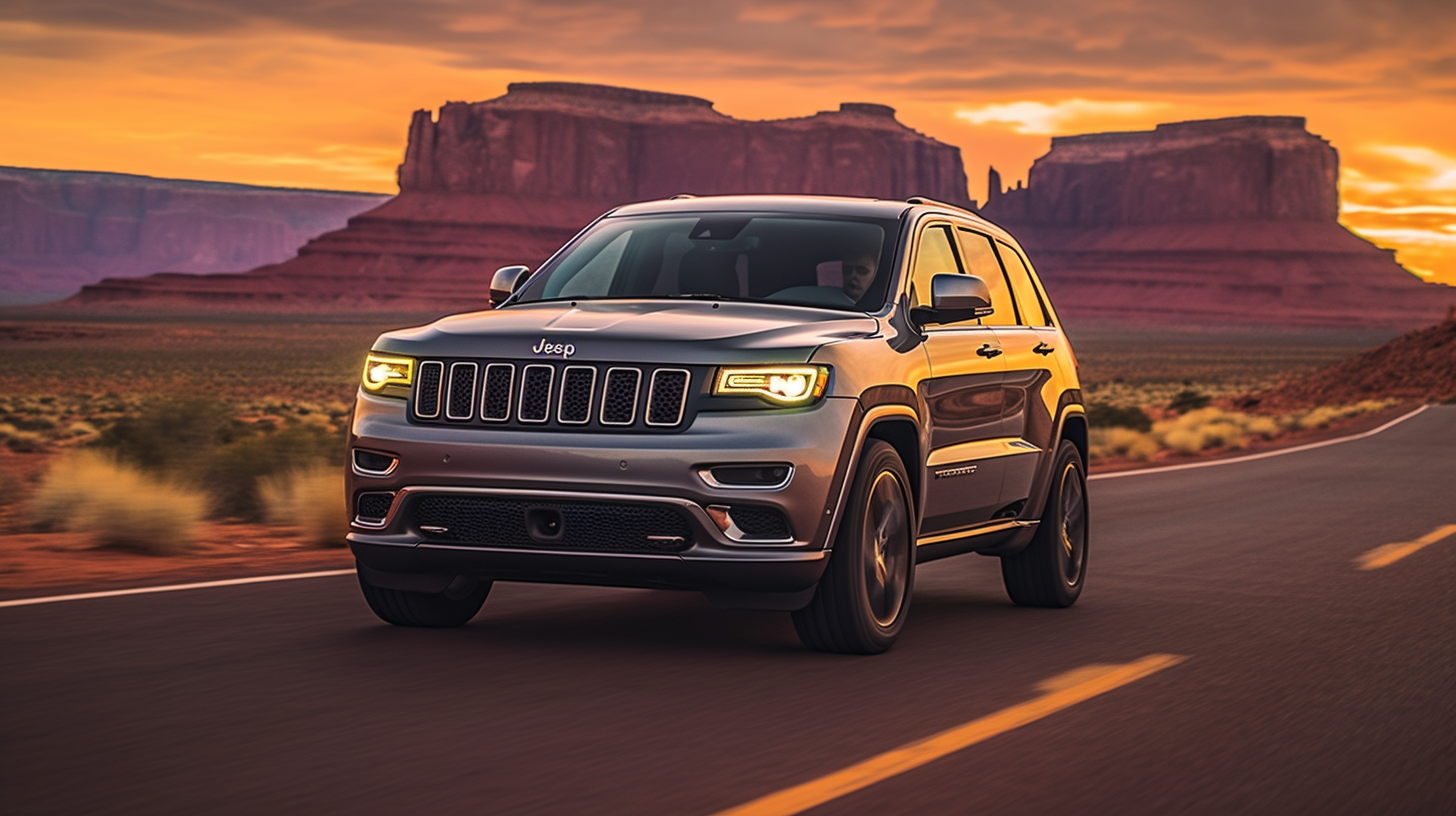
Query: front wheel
point(429, 609)
point(860, 604)
point(1051, 570)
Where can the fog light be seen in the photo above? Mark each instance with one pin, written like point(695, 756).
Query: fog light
point(372, 463)
point(770, 476)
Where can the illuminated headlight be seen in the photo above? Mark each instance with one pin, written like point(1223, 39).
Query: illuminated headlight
point(785, 385)
point(383, 372)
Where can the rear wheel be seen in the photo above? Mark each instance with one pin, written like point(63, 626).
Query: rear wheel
point(860, 604)
point(1051, 570)
point(430, 609)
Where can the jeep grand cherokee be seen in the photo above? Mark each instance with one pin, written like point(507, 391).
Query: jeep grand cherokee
point(783, 402)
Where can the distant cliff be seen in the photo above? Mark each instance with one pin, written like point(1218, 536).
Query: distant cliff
point(1209, 222)
point(60, 230)
point(509, 180)
point(567, 140)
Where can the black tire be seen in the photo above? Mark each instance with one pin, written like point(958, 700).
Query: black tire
point(431, 609)
point(860, 604)
point(1051, 570)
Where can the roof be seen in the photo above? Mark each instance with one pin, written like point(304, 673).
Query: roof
point(811, 205)
point(803, 205)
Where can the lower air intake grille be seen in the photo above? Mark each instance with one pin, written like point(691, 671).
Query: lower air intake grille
point(760, 522)
point(597, 526)
point(373, 507)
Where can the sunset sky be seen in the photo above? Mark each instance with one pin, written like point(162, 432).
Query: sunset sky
point(318, 93)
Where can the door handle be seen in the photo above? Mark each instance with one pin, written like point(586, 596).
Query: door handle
point(1043, 348)
point(988, 351)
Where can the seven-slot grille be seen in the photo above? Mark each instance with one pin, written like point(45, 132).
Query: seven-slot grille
point(552, 394)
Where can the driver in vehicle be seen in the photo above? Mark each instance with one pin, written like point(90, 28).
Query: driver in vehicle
point(858, 268)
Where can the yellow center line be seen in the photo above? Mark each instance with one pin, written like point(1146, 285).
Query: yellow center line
point(1387, 554)
point(1063, 691)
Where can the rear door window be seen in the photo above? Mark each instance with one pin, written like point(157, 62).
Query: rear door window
point(1033, 311)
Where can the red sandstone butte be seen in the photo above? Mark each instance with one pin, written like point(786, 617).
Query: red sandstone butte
point(509, 180)
point(62, 229)
point(1209, 222)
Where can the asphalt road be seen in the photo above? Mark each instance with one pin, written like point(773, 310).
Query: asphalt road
point(1309, 685)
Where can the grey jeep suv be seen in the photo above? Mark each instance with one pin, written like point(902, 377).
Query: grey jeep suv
point(783, 402)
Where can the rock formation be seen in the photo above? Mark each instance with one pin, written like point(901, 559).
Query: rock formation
point(1210, 222)
point(60, 230)
point(509, 180)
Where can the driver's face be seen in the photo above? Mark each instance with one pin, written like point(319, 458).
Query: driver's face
point(859, 271)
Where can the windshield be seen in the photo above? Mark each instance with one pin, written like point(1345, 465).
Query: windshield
point(774, 257)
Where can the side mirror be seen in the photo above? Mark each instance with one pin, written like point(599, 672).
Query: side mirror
point(954, 298)
point(505, 282)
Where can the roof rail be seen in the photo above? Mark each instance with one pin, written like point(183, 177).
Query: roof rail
point(924, 200)
point(682, 195)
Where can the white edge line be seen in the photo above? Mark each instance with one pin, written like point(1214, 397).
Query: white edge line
point(261, 579)
point(1265, 455)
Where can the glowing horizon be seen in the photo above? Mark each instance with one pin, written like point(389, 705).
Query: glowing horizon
point(319, 95)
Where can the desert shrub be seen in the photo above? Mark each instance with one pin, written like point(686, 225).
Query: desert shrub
point(1188, 400)
point(311, 499)
point(1204, 428)
point(232, 472)
point(21, 441)
point(117, 505)
point(173, 434)
point(207, 442)
point(1322, 416)
point(1262, 426)
point(1125, 442)
point(10, 487)
point(1101, 415)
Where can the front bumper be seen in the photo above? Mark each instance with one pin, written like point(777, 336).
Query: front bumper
point(639, 469)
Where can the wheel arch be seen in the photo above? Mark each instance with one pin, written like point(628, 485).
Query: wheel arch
point(903, 435)
point(1074, 428)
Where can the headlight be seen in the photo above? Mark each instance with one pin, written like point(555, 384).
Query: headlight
point(388, 376)
point(784, 385)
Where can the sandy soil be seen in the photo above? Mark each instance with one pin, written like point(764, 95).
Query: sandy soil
point(33, 564)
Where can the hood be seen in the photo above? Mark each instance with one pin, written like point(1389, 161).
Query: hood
point(688, 332)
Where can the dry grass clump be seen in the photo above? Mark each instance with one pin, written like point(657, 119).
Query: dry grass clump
point(1123, 443)
point(1207, 428)
point(21, 440)
point(1215, 429)
point(311, 499)
point(117, 505)
point(1322, 416)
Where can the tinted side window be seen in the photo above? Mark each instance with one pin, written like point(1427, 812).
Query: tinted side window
point(934, 256)
point(1033, 311)
point(981, 262)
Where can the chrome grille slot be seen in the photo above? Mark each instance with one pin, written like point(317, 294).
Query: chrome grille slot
point(495, 402)
point(460, 401)
point(578, 384)
point(427, 392)
point(667, 397)
point(536, 393)
point(619, 398)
